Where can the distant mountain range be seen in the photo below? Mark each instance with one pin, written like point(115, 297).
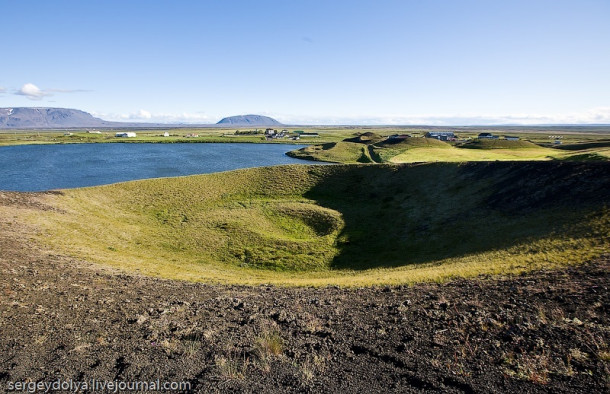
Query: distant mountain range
point(249, 120)
point(65, 118)
point(48, 118)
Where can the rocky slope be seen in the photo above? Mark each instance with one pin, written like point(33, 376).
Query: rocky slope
point(546, 332)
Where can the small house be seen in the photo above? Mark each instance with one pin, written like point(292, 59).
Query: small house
point(166, 134)
point(441, 135)
point(398, 137)
point(125, 134)
point(487, 135)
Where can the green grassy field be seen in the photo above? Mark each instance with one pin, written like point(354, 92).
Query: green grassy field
point(349, 225)
point(539, 135)
point(142, 136)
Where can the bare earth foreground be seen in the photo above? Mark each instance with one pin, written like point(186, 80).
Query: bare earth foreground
point(59, 318)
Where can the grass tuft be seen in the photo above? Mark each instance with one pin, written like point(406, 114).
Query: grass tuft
point(269, 344)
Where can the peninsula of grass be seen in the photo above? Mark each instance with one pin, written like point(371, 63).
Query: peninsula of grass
point(419, 149)
point(348, 225)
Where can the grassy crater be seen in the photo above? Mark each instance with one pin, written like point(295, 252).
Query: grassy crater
point(345, 224)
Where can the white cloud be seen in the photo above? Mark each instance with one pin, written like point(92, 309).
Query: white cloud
point(141, 114)
point(32, 92)
point(2, 90)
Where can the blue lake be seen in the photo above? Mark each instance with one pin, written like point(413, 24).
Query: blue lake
point(46, 167)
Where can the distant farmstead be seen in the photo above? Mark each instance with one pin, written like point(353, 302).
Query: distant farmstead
point(441, 135)
point(307, 134)
point(487, 135)
point(398, 137)
point(271, 134)
point(126, 134)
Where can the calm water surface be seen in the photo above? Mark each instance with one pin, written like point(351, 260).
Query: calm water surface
point(45, 167)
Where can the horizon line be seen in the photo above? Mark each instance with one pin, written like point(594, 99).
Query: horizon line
point(437, 121)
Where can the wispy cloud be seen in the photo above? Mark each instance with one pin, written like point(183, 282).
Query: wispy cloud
point(2, 90)
point(143, 115)
point(33, 92)
point(599, 115)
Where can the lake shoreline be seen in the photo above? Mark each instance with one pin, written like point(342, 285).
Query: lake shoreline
point(40, 167)
point(180, 141)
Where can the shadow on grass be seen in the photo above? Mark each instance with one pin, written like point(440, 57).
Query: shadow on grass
point(410, 214)
point(584, 145)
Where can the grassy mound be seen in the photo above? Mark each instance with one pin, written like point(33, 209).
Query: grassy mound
point(366, 138)
point(414, 142)
point(346, 225)
point(389, 149)
point(498, 144)
point(335, 152)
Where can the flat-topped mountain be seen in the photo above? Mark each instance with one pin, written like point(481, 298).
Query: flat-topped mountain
point(249, 120)
point(40, 118)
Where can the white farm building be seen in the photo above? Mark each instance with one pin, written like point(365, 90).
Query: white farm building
point(126, 134)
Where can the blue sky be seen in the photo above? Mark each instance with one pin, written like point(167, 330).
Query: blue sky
point(308, 61)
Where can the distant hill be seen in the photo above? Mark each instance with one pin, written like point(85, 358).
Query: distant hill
point(48, 118)
point(249, 120)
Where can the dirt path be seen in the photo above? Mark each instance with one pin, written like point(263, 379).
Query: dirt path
point(61, 318)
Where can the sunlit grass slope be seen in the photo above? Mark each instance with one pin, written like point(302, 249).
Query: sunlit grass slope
point(457, 154)
point(496, 143)
point(346, 224)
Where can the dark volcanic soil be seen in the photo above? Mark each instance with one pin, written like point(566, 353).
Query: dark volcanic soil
point(60, 318)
